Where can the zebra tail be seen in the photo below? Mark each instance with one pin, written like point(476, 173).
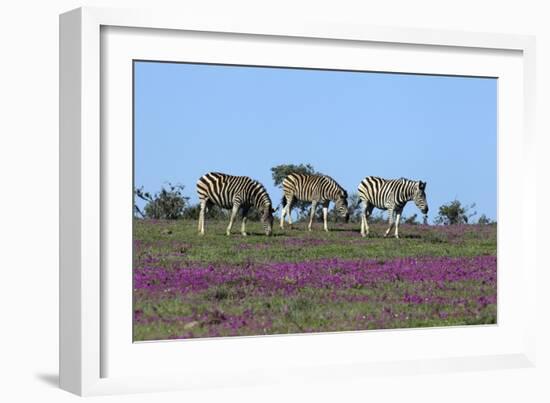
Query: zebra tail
point(283, 201)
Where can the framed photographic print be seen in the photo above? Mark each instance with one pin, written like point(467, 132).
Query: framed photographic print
point(244, 201)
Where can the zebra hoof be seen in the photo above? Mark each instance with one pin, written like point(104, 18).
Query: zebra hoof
point(244, 234)
point(364, 235)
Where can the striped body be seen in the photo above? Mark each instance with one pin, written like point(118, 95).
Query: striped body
point(391, 195)
point(317, 189)
point(235, 193)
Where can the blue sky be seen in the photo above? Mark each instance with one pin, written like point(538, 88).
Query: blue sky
point(192, 118)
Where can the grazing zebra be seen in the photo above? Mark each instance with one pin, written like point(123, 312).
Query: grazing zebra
point(234, 192)
point(315, 189)
point(391, 195)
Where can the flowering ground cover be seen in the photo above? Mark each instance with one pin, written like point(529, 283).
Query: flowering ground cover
point(296, 281)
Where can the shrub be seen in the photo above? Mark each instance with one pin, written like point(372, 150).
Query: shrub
point(167, 204)
point(411, 219)
point(355, 207)
point(484, 220)
point(454, 213)
point(214, 212)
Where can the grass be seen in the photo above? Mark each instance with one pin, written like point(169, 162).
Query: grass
point(189, 286)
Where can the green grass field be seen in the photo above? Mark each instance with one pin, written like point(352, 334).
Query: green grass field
point(297, 281)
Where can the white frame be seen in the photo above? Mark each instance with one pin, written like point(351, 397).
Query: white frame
point(81, 307)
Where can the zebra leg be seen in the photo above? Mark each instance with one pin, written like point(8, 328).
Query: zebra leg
point(234, 212)
point(313, 206)
point(199, 226)
point(286, 210)
point(364, 225)
point(243, 225)
point(283, 212)
point(368, 212)
point(289, 211)
point(325, 215)
point(201, 217)
point(397, 218)
point(390, 218)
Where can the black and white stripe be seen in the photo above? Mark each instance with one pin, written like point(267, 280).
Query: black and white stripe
point(391, 195)
point(316, 189)
point(234, 192)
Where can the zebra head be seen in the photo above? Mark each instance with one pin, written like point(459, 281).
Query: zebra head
point(341, 206)
point(267, 219)
point(419, 197)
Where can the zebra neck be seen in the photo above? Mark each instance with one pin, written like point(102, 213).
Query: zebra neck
point(335, 192)
point(334, 196)
point(261, 202)
point(408, 194)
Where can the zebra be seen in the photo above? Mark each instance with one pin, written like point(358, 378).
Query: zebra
point(391, 195)
point(234, 192)
point(315, 189)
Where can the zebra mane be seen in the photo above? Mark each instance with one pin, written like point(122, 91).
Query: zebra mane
point(407, 180)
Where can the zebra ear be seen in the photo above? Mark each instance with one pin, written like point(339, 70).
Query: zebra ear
point(422, 185)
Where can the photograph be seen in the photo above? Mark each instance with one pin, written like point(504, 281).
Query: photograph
point(274, 200)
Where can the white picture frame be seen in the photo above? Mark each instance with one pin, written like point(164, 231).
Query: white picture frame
point(91, 342)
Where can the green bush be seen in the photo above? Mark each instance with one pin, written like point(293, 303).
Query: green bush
point(484, 220)
point(454, 213)
point(168, 204)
